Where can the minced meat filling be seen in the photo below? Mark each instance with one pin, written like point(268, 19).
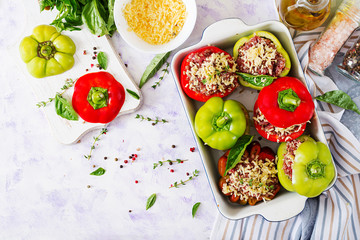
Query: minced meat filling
point(259, 57)
point(252, 178)
point(273, 130)
point(289, 157)
point(211, 73)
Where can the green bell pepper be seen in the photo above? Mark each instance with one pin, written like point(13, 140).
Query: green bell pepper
point(47, 52)
point(266, 80)
point(220, 123)
point(312, 169)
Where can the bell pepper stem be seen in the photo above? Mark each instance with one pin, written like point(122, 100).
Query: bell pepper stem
point(292, 100)
point(98, 97)
point(315, 169)
point(222, 121)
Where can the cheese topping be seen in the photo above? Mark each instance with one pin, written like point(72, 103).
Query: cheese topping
point(252, 178)
point(258, 56)
point(271, 129)
point(214, 73)
point(155, 21)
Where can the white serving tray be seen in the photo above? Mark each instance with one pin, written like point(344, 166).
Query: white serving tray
point(66, 131)
point(224, 34)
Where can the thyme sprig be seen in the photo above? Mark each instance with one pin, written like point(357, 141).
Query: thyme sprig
point(155, 121)
point(160, 163)
point(165, 71)
point(96, 139)
point(181, 182)
point(68, 84)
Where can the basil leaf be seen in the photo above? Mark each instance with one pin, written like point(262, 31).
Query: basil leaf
point(98, 172)
point(150, 201)
point(133, 94)
point(111, 22)
point(102, 60)
point(153, 67)
point(95, 18)
point(237, 151)
point(195, 208)
point(64, 109)
point(259, 80)
point(340, 99)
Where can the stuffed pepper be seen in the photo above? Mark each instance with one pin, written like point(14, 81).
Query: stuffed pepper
point(208, 72)
point(98, 97)
point(260, 59)
point(305, 166)
point(282, 110)
point(220, 123)
point(254, 177)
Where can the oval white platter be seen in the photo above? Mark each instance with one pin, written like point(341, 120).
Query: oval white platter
point(66, 131)
point(224, 34)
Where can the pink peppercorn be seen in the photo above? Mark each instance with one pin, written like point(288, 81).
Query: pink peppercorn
point(192, 149)
point(125, 161)
point(172, 170)
point(136, 181)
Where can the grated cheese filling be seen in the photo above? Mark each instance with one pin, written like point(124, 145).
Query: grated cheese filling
point(271, 129)
point(155, 21)
point(252, 178)
point(260, 57)
point(215, 74)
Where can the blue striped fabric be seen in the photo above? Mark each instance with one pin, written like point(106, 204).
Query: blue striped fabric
point(335, 214)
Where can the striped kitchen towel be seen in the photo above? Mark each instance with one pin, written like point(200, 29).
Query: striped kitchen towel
point(335, 214)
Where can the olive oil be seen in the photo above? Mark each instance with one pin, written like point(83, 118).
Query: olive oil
point(304, 14)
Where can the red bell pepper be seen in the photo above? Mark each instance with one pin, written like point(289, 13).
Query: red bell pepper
point(198, 57)
point(98, 97)
point(284, 104)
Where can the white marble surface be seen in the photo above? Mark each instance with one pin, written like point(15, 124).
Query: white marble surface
point(43, 183)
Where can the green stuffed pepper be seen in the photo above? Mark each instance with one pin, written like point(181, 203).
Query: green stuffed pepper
point(220, 123)
point(47, 52)
point(305, 166)
point(260, 59)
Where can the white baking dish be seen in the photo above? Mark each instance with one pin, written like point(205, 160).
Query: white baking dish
point(224, 34)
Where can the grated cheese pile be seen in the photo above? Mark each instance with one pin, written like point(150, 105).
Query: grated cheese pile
point(259, 55)
point(252, 179)
point(211, 73)
point(155, 21)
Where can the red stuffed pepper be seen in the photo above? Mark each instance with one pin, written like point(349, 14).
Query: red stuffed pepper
point(282, 110)
point(208, 72)
point(98, 97)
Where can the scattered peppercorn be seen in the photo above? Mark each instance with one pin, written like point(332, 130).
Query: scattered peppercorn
point(171, 170)
point(121, 166)
point(94, 48)
point(116, 159)
point(173, 146)
point(93, 57)
point(192, 149)
point(95, 53)
point(91, 65)
point(94, 166)
point(88, 186)
point(135, 155)
point(170, 163)
point(126, 161)
point(133, 158)
point(105, 158)
point(136, 181)
point(84, 52)
point(187, 174)
point(130, 211)
point(86, 69)
point(126, 65)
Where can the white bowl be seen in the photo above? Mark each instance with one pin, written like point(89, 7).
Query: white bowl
point(134, 41)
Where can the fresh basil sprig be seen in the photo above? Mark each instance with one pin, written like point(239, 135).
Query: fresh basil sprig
point(237, 151)
point(150, 201)
point(64, 109)
point(259, 80)
point(195, 208)
point(153, 67)
point(102, 60)
point(98, 172)
point(340, 99)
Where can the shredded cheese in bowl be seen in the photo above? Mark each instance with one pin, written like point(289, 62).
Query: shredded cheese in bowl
point(155, 21)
